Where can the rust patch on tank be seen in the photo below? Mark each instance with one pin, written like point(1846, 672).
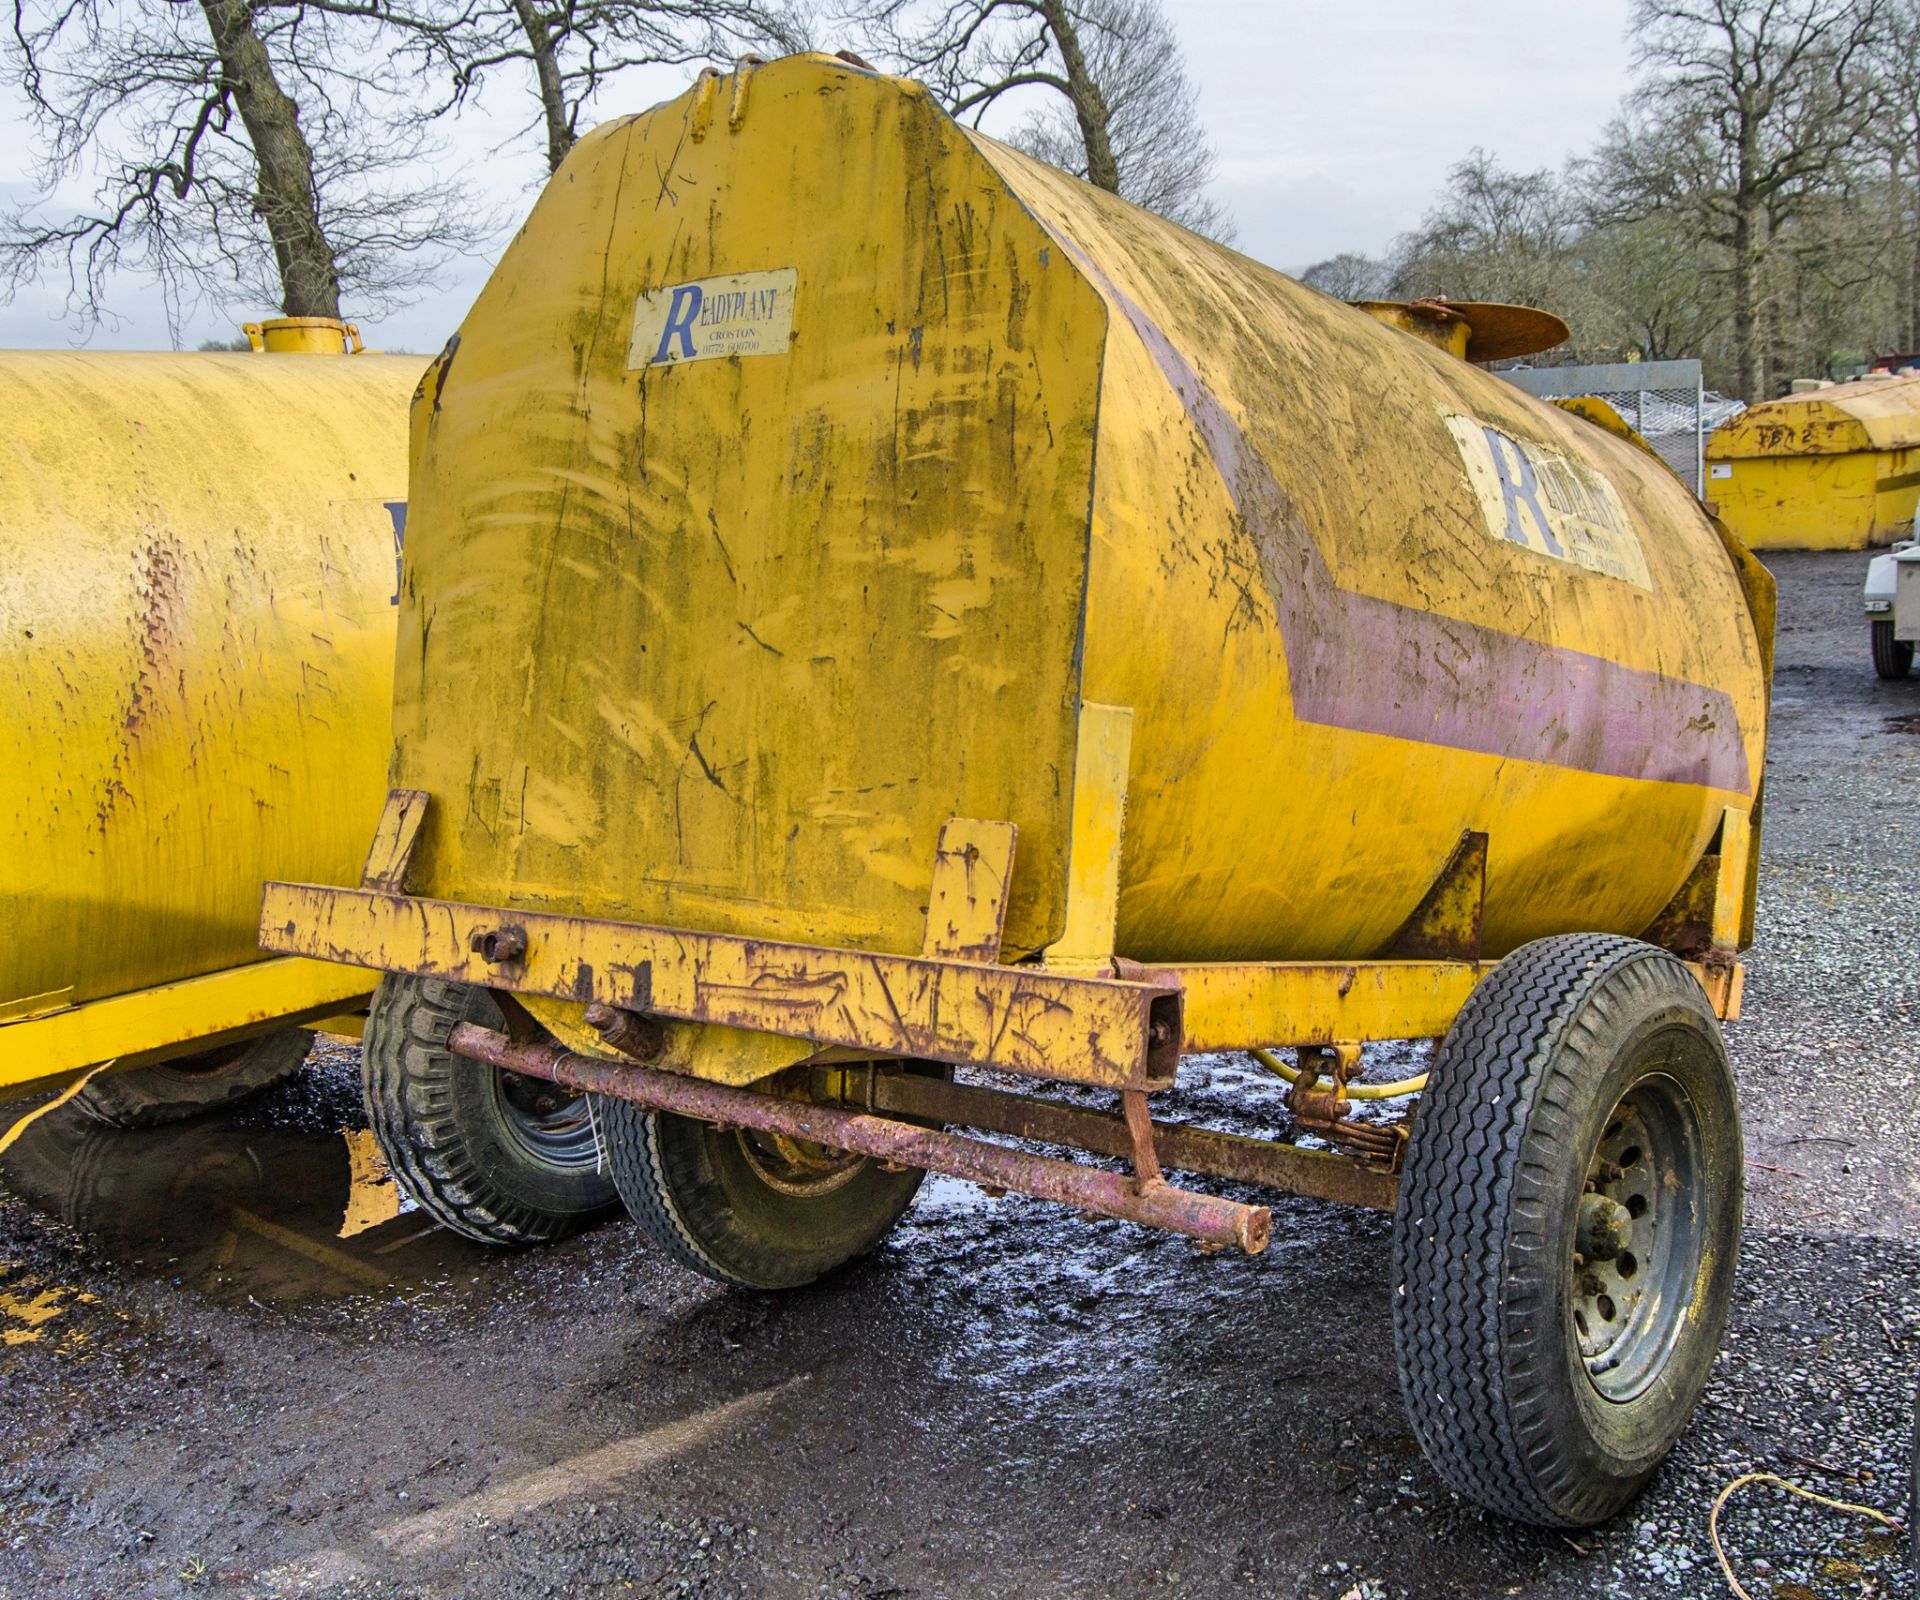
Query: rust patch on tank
point(160, 608)
point(162, 600)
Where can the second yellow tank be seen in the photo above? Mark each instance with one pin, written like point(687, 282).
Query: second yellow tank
point(198, 575)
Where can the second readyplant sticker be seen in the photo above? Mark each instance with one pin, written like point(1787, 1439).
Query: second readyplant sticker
point(1548, 503)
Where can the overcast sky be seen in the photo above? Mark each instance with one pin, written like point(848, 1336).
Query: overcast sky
point(1336, 122)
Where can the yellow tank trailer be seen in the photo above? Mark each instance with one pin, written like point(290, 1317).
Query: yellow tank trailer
point(876, 606)
point(198, 565)
point(1832, 469)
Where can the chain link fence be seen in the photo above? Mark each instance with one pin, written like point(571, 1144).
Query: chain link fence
point(1662, 401)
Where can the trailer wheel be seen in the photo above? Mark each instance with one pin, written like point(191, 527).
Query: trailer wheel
point(750, 1209)
point(499, 1157)
point(172, 1091)
point(1892, 658)
point(1564, 1244)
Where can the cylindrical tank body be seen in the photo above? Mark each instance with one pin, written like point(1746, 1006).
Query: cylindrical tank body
point(809, 461)
point(198, 566)
point(1830, 469)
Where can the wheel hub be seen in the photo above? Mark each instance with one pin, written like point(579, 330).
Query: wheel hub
point(1635, 1240)
point(1606, 1228)
point(797, 1167)
point(551, 1123)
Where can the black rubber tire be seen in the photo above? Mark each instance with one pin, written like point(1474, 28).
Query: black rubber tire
point(695, 1192)
point(1523, 1088)
point(153, 1097)
point(1892, 658)
point(454, 1140)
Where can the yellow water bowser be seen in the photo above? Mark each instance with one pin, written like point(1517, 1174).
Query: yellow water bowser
point(1831, 469)
point(877, 607)
point(198, 576)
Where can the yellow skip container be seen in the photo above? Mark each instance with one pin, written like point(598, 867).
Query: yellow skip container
point(198, 569)
point(1831, 469)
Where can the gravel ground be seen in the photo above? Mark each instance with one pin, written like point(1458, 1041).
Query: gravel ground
point(232, 1369)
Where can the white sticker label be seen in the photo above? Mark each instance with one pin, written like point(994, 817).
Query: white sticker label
point(747, 314)
point(1555, 506)
point(1720, 469)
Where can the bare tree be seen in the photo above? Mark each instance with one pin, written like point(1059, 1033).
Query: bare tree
point(1755, 106)
point(1493, 235)
point(1496, 234)
point(1116, 106)
point(240, 145)
point(1350, 276)
point(1757, 204)
point(1666, 293)
point(571, 49)
point(1896, 130)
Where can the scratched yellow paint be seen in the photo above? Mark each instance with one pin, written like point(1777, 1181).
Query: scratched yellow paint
point(26, 1309)
point(724, 642)
point(1251, 830)
point(720, 643)
point(372, 1195)
point(1833, 469)
point(197, 568)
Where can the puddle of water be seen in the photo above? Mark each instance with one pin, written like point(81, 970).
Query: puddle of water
point(277, 1215)
point(947, 1196)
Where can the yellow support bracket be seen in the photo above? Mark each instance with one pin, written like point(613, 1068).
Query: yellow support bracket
point(1237, 1006)
point(1101, 759)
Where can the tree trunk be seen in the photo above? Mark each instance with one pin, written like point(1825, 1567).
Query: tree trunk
point(546, 72)
point(1089, 105)
point(286, 197)
point(1913, 283)
point(1909, 208)
point(1746, 310)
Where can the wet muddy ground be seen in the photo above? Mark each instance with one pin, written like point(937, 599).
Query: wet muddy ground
point(231, 1365)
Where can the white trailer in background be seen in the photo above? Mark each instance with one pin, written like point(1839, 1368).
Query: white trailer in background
point(1893, 607)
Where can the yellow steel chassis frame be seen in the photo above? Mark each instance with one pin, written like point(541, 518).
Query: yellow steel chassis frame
point(1085, 1016)
point(174, 1019)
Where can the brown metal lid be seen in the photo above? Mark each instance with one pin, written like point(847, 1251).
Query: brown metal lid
point(1502, 332)
point(1494, 332)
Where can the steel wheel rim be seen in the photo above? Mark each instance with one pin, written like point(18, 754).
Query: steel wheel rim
point(1628, 1310)
point(549, 1123)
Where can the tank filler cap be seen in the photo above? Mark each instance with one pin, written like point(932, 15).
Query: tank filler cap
point(304, 336)
point(1474, 330)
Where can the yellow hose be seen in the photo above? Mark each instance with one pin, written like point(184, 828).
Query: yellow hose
point(1355, 1091)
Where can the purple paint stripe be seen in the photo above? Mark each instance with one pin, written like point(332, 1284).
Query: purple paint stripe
point(1375, 666)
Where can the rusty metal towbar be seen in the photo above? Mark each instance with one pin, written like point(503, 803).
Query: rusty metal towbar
point(1156, 1203)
